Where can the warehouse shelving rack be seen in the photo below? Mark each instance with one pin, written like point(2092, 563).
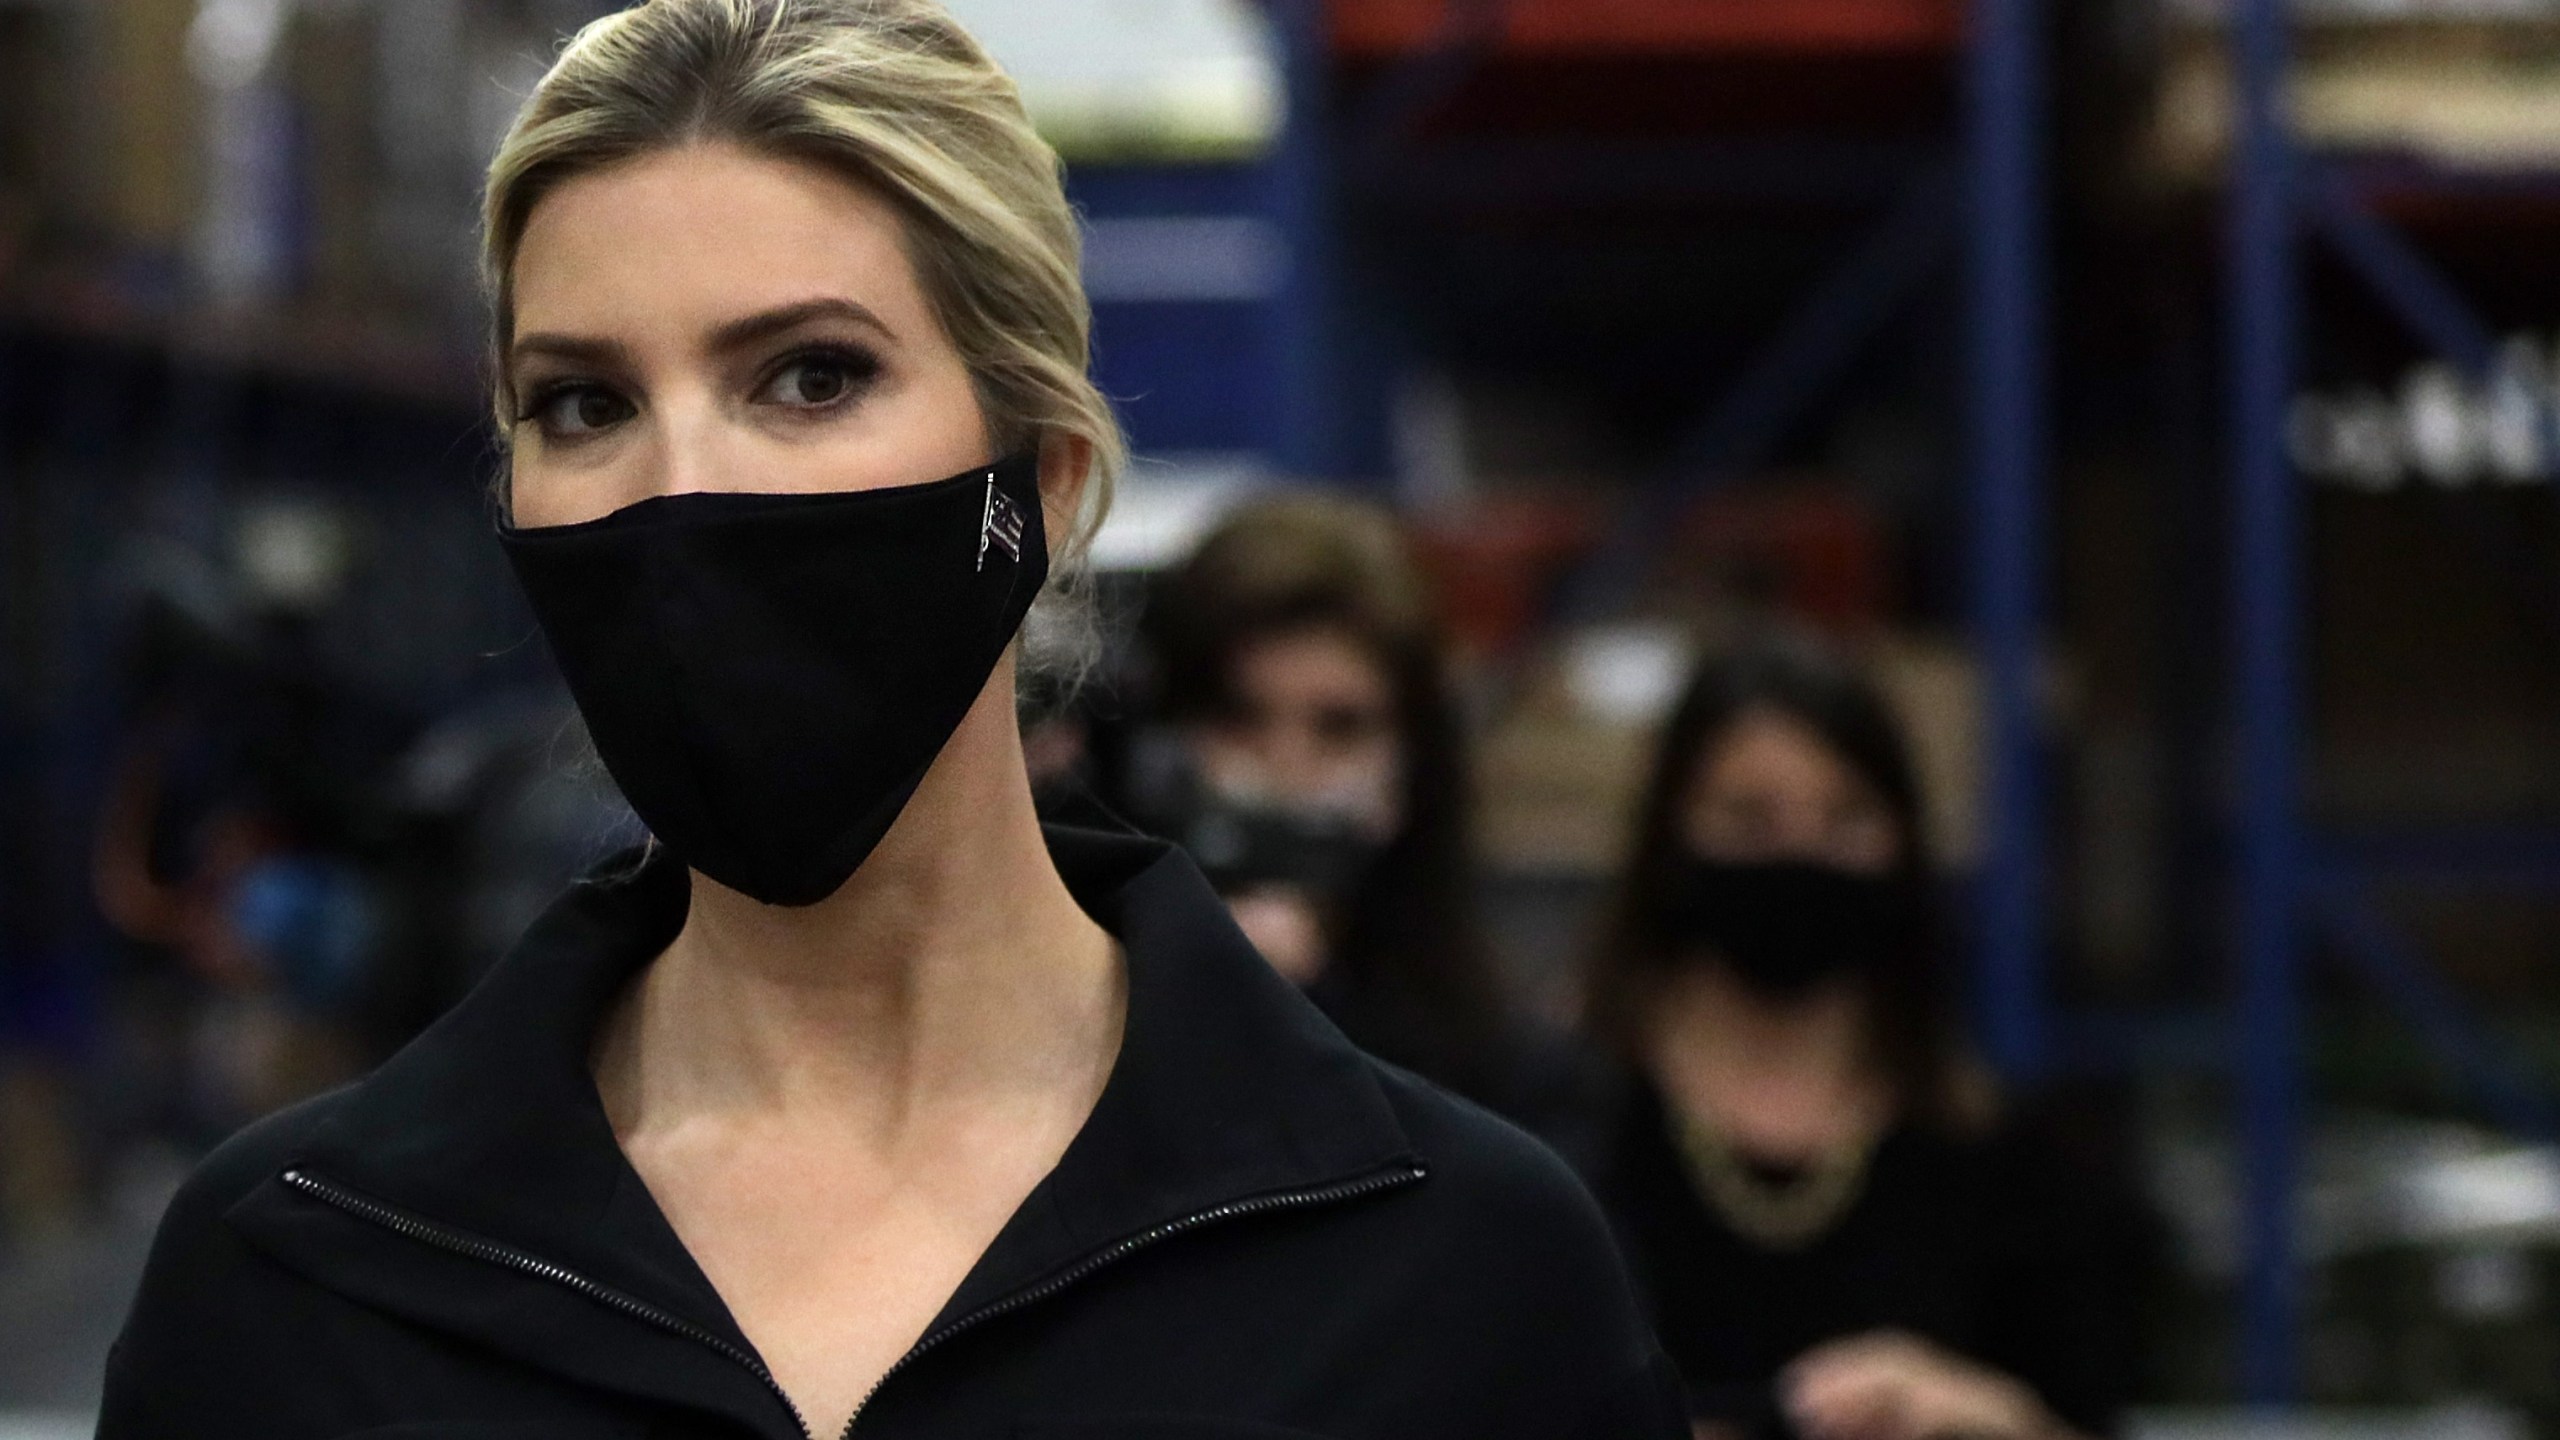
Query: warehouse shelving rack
point(1978, 196)
point(172, 405)
point(1988, 193)
point(2292, 884)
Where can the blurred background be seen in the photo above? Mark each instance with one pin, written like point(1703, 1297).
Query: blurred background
point(2158, 396)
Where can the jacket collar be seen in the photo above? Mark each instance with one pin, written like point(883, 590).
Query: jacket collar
point(1228, 1085)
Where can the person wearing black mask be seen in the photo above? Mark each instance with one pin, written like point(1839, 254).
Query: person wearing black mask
point(1311, 758)
point(1842, 1231)
point(858, 1100)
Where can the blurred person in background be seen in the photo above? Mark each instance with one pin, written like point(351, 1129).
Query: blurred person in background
point(1317, 767)
point(245, 820)
point(1843, 1230)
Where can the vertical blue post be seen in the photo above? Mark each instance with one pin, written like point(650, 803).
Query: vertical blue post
point(2266, 597)
point(14, 789)
point(2009, 273)
point(1305, 420)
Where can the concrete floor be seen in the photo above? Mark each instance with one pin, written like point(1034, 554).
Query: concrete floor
point(45, 1427)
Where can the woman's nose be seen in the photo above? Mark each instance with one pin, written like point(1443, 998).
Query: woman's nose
point(1803, 841)
point(1296, 760)
point(697, 450)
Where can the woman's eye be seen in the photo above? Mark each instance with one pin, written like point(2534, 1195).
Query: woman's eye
point(577, 410)
point(1740, 825)
point(1241, 721)
point(816, 380)
point(1864, 841)
point(1343, 726)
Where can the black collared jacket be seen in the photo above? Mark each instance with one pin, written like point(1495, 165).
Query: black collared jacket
point(1260, 1232)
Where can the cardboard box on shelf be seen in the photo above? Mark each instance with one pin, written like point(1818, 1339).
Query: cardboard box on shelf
point(332, 79)
point(2468, 94)
point(151, 123)
point(1561, 775)
point(1557, 786)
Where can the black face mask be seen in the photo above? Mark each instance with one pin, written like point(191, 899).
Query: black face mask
point(1787, 927)
point(768, 677)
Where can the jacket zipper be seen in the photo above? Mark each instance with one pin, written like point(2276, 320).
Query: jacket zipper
point(1406, 1173)
point(444, 1237)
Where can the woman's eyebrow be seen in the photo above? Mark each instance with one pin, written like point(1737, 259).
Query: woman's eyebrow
point(765, 324)
point(732, 335)
point(574, 349)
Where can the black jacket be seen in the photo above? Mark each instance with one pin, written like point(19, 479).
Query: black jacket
point(1260, 1232)
point(2002, 1247)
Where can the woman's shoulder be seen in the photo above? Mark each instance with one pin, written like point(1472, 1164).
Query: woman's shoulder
point(256, 1152)
point(194, 1253)
point(197, 1324)
point(1493, 1181)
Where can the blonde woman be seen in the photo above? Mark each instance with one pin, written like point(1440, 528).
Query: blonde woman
point(858, 1103)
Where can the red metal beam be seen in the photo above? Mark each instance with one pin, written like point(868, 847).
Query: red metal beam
point(1371, 28)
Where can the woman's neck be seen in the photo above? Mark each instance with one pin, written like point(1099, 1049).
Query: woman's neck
point(953, 968)
point(1786, 1077)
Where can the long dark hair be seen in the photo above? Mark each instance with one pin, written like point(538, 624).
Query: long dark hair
point(1914, 1033)
point(1406, 947)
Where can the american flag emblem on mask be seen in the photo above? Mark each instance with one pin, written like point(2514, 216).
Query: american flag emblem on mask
point(1003, 527)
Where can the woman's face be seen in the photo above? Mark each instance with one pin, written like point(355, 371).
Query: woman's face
point(1773, 789)
point(707, 319)
point(1313, 725)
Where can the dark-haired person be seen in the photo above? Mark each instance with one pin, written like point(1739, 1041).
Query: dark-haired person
point(860, 1103)
point(1841, 1233)
point(1301, 664)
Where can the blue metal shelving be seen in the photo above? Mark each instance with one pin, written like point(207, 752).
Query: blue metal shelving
point(2266, 600)
point(2009, 386)
point(1981, 199)
point(1223, 315)
point(2291, 882)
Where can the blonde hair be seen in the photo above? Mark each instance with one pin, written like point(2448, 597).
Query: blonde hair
point(891, 93)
